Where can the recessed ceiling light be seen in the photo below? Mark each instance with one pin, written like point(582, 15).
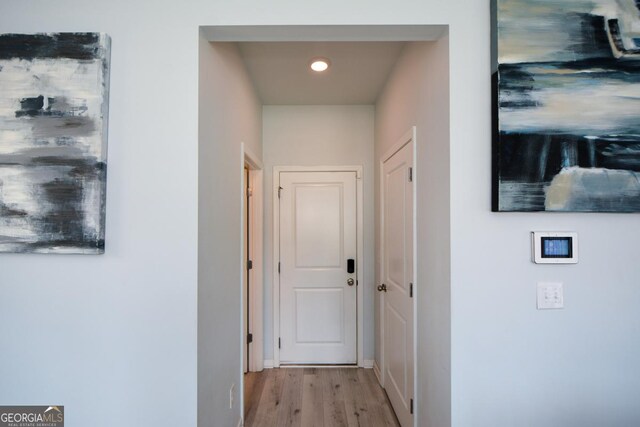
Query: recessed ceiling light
point(320, 64)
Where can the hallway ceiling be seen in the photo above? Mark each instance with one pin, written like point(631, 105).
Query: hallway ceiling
point(281, 75)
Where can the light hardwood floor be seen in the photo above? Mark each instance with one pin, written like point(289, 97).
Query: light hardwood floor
point(316, 397)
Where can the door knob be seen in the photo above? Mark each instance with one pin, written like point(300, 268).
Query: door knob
point(350, 282)
point(382, 288)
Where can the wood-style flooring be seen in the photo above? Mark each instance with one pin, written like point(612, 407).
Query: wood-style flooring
point(316, 397)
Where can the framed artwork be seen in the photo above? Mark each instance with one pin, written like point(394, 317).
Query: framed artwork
point(54, 97)
point(566, 88)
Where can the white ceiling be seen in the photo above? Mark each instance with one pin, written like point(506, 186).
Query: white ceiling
point(281, 74)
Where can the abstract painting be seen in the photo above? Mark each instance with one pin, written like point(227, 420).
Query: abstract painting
point(53, 142)
point(566, 105)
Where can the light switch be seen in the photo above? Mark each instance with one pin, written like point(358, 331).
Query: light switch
point(550, 295)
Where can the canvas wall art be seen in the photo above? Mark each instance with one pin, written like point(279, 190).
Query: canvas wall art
point(53, 142)
point(566, 105)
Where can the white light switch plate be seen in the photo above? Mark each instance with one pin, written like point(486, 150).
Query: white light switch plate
point(550, 295)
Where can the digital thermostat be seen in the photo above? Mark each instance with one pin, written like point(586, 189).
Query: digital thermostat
point(554, 247)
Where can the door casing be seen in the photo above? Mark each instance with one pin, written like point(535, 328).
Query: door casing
point(255, 252)
point(360, 248)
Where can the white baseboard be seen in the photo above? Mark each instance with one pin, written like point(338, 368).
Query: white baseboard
point(240, 422)
point(268, 364)
point(368, 364)
point(376, 370)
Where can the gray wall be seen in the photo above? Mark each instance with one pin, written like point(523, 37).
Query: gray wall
point(319, 136)
point(417, 93)
point(230, 113)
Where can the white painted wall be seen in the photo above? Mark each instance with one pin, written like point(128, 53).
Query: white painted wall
point(319, 136)
point(119, 331)
point(512, 364)
point(229, 113)
point(113, 337)
point(417, 93)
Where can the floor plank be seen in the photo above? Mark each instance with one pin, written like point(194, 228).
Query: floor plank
point(290, 408)
point(354, 398)
point(316, 397)
point(380, 398)
point(334, 409)
point(267, 412)
point(312, 407)
point(253, 387)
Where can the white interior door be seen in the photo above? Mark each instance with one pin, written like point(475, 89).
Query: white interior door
point(397, 274)
point(318, 220)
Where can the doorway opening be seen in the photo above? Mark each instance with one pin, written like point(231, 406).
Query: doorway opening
point(287, 139)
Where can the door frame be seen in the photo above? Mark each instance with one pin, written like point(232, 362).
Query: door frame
point(359, 245)
point(408, 138)
point(255, 252)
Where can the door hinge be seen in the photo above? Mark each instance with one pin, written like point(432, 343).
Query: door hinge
point(411, 404)
point(410, 174)
point(249, 192)
point(410, 290)
point(278, 267)
point(280, 191)
point(249, 338)
point(249, 265)
point(279, 343)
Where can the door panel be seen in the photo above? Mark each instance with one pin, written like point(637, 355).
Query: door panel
point(318, 247)
point(317, 236)
point(396, 359)
point(315, 304)
point(397, 275)
point(395, 216)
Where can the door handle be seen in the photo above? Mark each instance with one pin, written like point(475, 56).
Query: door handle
point(351, 266)
point(350, 282)
point(382, 288)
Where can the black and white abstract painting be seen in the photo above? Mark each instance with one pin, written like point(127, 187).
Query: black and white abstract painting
point(53, 142)
point(566, 105)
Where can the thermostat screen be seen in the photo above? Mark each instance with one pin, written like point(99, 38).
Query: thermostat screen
point(556, 247)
